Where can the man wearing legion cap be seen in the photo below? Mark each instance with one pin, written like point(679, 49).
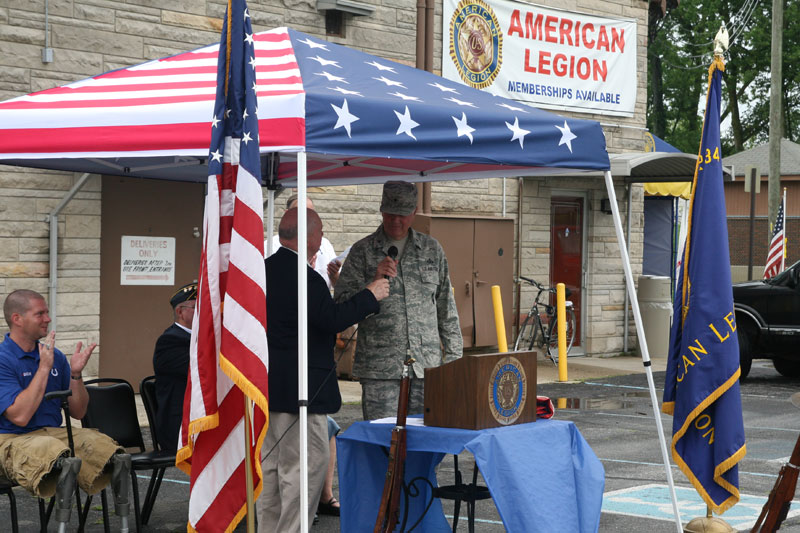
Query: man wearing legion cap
point(171, 366)
point(419, 317)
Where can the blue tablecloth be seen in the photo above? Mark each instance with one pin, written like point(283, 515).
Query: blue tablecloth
point(543, 476)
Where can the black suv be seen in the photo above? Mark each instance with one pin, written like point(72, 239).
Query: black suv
point(768, 321)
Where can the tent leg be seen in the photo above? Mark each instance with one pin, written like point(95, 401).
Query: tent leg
point(637, 317)
point(302, 333)
point(628, 246)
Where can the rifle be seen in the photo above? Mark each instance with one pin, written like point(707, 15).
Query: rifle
point(393, 485)
point(777, 506)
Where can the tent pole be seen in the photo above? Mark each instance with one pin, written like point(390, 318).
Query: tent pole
point(302, 334)
point(270, 221)
point(637, 317)
point(52, 218)
point(627, 294)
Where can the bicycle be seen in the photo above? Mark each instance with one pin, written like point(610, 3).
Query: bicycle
point(540, 328)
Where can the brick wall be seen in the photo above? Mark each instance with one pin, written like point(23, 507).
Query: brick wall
point(93, 36)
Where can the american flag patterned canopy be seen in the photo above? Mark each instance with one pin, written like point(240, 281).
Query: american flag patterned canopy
point(359, 117)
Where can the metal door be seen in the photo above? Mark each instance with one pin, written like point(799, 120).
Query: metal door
point(566, 250)
point(133, 316)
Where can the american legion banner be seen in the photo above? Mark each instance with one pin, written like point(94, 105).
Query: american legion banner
point(539, 55)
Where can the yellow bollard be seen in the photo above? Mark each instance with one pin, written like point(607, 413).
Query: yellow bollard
point(561, 311)
point(499, 322)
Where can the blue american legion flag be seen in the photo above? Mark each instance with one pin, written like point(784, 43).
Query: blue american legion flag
point(702, 379)
point(228, 351)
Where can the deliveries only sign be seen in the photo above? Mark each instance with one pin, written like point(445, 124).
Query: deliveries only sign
point(552, 58)
point(147, 260)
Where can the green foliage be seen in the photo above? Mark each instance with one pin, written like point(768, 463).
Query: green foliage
point(682, 43)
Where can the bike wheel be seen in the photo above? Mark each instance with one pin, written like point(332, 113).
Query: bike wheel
point(570, 333)
point(526, 335)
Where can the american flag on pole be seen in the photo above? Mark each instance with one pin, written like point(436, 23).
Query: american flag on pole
point(776, 257)
point(228, 359)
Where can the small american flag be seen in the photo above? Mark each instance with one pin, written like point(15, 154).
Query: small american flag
point(228, 355)
point(776, 258)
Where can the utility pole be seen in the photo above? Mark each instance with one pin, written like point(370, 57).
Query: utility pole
point(775, 113)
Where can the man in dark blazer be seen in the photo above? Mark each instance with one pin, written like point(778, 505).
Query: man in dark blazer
point(280, 498)
point(171, 367)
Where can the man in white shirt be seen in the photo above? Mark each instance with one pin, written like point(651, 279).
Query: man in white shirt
point(325, 255)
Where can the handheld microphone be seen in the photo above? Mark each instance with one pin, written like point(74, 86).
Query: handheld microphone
point(391, 252)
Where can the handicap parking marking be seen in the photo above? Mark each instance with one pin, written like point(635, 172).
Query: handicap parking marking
point(654, 501)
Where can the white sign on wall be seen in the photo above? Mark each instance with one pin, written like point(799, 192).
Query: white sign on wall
point(147, 260)
point(548, 57)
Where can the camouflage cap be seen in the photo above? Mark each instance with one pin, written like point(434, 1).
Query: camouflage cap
point(399, 198)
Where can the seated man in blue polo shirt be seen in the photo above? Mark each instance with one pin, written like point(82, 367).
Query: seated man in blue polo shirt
point(34, 450)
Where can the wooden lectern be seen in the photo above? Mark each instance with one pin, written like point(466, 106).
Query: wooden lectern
point(482, 391)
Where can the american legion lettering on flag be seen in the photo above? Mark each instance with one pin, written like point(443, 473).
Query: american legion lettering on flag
point(702, 378)
point(776, 256)
point(228, 357)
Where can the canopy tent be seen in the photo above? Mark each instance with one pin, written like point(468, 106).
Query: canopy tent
point(331, 115)
point(358, 117)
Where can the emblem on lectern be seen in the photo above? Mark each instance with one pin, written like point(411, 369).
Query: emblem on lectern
point(507, 390)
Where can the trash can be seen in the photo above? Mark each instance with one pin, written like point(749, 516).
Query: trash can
point(655, 304)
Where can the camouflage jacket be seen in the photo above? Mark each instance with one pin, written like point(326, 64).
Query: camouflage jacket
point(418, 318)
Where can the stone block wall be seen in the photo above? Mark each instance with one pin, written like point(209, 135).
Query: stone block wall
point(89, 37)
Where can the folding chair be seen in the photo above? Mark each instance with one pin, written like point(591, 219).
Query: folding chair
point(112, 410)
point(62, 516)
point(6, 487)
point(147, 388)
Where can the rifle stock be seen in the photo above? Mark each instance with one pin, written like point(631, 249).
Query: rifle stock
point(393, 485)
point(780, 498)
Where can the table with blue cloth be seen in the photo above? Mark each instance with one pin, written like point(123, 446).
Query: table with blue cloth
point(543, 476)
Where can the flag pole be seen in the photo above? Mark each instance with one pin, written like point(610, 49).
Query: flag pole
point(248, 461)
point(637, 319)
point(785, 232)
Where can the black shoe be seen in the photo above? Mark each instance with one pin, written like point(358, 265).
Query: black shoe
point(328, 508)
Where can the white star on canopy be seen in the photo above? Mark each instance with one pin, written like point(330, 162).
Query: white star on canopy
point(381, 67)
point(519, 133)
point(345, 91)
point(345, 117)
point(312, 44)
point(325, 62)
point(331, 77)
point(463, 128)
point(390, 83)
point(405, 96)
point(511, 107)
point(406, 124)
point(443, 88)
point(460, 102)
point(566, 136)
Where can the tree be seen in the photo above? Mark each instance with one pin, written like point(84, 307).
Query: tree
point(681, 43)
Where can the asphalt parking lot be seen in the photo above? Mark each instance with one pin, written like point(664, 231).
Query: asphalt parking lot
point(615, 417)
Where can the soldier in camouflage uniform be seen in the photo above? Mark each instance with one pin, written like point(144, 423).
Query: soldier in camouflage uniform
point(419, 317)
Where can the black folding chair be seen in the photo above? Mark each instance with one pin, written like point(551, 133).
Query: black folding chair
point(7, 488)
point(112, 410)
point(147, 388)
point(45, 511)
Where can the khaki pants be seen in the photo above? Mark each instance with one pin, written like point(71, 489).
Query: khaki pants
point(278, 505)
point(28, 459)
